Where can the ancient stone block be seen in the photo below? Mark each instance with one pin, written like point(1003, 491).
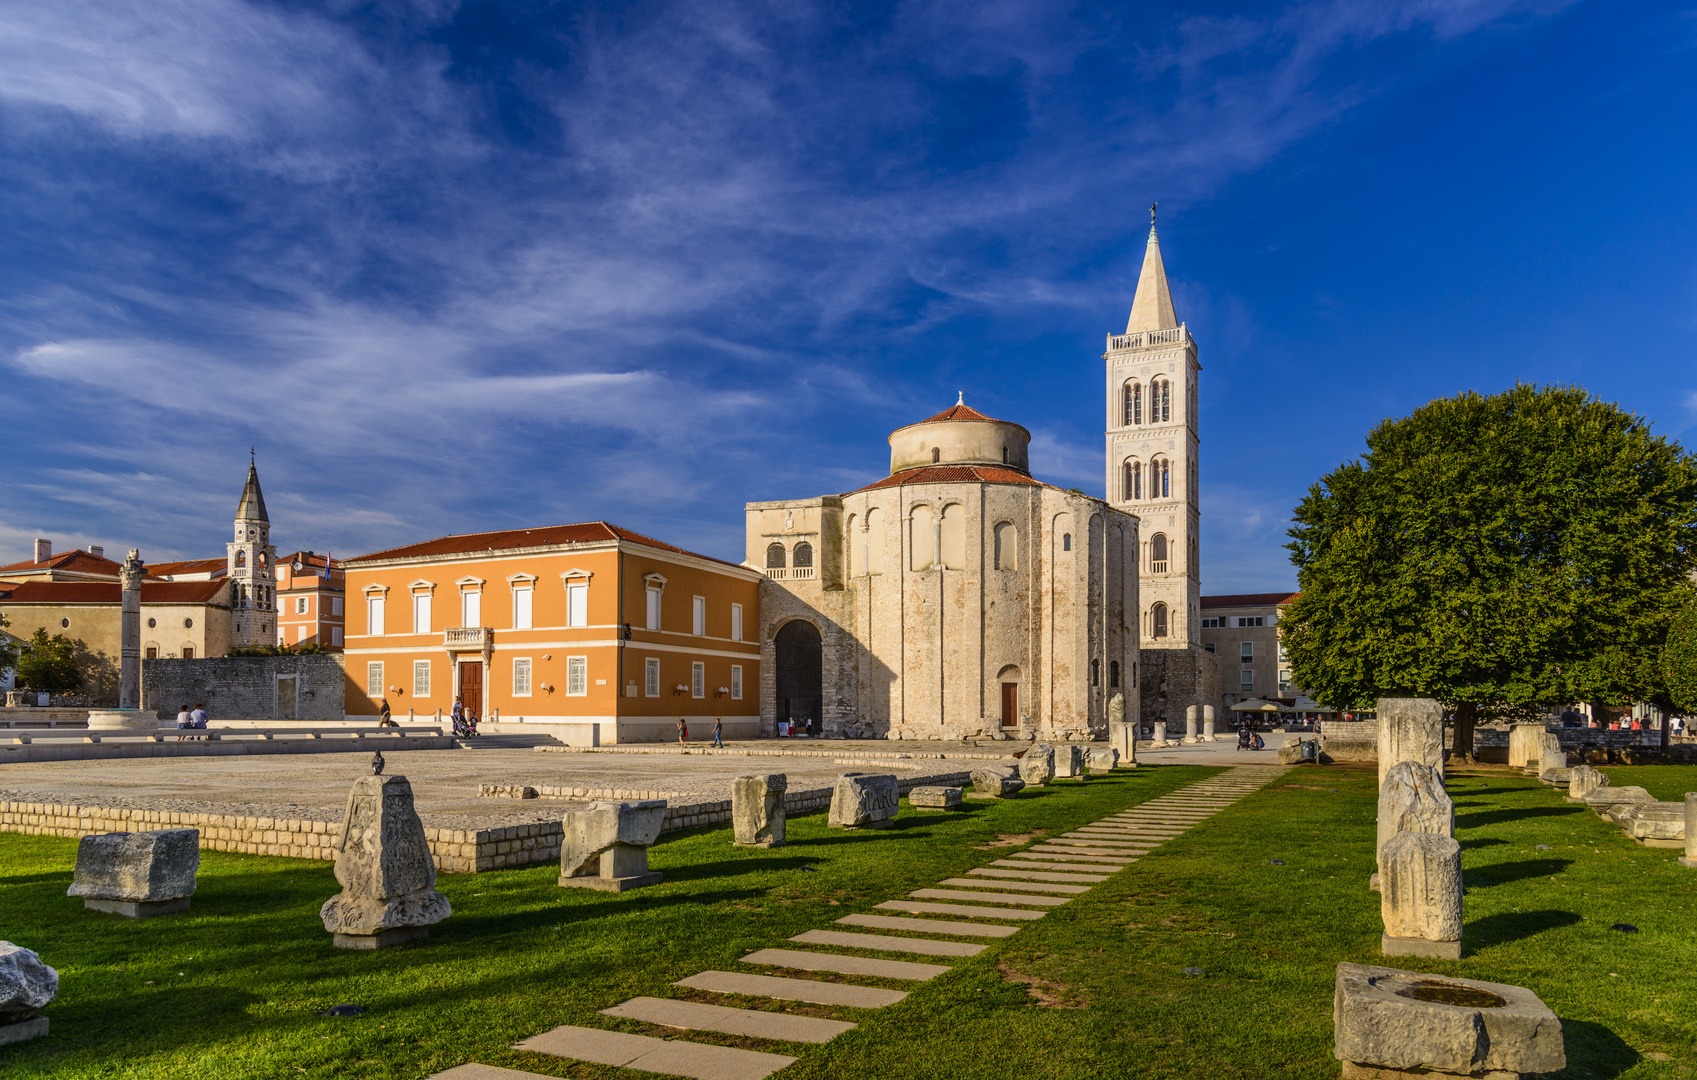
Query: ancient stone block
point(1103, 759)
point(1299, 751)
point(864, 800)
point(1192, 722)
point(1582, 780)
point(1524, 741)
point(757, 809)
point(1160, 736)
point(387, 875)
point(1412, 799)
point(1421, 1024)
point(605, 845)
point(1036, 768)
point(1069, 761)
point(1410, 729)
point(996, 781)
point(1605, 799)
point(26, 985)
point(1208, 723)
point(1689, 859)
point(935, 798)
point(137, 874)
point(1664, 821)
point(1420, 895)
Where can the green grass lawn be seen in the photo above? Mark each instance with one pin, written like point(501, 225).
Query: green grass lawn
point(1094, 989)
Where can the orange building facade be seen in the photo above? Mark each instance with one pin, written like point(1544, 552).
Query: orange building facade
point(606, 635)
point(311, 601)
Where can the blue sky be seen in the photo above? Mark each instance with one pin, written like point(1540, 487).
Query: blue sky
point(453, 267)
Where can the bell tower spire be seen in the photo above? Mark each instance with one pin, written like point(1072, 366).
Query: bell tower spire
point(1152, 304)
point(252, 575)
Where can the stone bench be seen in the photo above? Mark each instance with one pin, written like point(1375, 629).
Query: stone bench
point(175, 734)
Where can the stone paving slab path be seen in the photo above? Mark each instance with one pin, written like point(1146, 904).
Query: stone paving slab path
point(1028, 864)
point(845, 965)
point(694, 1015)
point(988, 897)
point(929, 926)
point(1017, 886)
point(699, 1061)
point(1036, 875)
point(808, 990)
point(962, 911)
point(1066, 856)
point(918, 946)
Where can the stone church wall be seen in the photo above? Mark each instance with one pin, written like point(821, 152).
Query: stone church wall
point(245, 687)
point(1170, 680)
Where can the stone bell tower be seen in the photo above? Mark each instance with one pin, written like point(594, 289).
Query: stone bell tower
point(253, 575)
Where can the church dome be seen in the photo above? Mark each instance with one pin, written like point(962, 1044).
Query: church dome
point(960, 435)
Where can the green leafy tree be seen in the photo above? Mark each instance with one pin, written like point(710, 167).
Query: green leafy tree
point(1679, 660)
point(8, 648)
point(1498, 553)
point(46, 663)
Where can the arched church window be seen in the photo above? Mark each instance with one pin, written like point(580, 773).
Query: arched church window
point(1133, 405)
point(774, 556)
point(936, 455)
point(1166, 479)
point(922, 538)
point(1158, 621)
point(804, 554)
point(1095, 673)
point(1160, 401)
point(241, 560)
point(1007, 546)
point(1066, 542)
point(1004, 455)
point(1113, 674)
point(1158, 554)
point(875, 541)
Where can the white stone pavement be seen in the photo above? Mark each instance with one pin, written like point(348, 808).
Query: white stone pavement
point(1015, 890)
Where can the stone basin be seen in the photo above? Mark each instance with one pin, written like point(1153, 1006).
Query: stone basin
point(123, 720)
point(1394, 1023)
point(1655, 824)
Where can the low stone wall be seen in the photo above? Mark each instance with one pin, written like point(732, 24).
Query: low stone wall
point(31, 716)
point(1355, 741)
point(68, 750)
point(248, 686)
point(456, 851)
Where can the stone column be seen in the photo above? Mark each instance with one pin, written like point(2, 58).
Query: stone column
point(1410, 729)
point(1689, 859)
point(1208, 724)
point(1421, 898)
point(1160, 738)
point(1122, 736)
point(1192, 716)
point(1522, 742)
point(129, 665)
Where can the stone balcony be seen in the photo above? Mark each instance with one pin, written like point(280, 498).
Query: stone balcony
point(468, 637)
point(791, 573)
point(1179, 335)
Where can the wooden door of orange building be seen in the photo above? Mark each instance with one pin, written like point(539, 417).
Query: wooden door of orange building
point(471, 684)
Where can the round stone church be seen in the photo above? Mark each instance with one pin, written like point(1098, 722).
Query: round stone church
point(958, 596)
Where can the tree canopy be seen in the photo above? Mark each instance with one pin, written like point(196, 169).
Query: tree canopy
point(1679, 660)
point(49, 663)
point(1499, 553)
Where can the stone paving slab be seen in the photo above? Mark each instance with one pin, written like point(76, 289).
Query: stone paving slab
point(883, 943)
point(929, 926)
point(960, 911)
point(474, 1071)
point(1077, 855)
point(845, 965)
point(1096, 841)
point(1018, 886)
point(1030, 864)
point(809, 990)
point(1034, 875)
point(694, 1015)
point(699, 1061)
point(988, 897)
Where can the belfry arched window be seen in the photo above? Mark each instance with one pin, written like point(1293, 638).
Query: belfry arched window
point(1158, 621)
point(936, 455)
point(1158, 554)
point(1133, 404)
point(804, 554)
point(241, 559)
point(1160, 479)
point(1131, 481)
point(775, 557)
point(1160, 401)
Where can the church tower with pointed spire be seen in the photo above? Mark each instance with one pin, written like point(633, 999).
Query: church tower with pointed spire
point(253, 575)
point(1152, 472)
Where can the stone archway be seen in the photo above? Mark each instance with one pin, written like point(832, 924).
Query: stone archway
point(800, 675)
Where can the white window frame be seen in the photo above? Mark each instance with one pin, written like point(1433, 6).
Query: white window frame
point(1246, 651)
point(698, 615)
point(1246, 681)
point(471, 607)
point(374, 615)
point(302, 631)
point(651, 676)
point(577, 676)
point(521, 676)
point(524, 607)
point(698, 679)
point(301, 606)
point(335, 605)
point(652, 606)
point(420, 678)
point(736, 682)
point(336, 636)
point(577, 603)
point(421, 613)
point(374, 678)
point(736, 622)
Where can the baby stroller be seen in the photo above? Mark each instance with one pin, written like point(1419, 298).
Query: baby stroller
point(1245, 738)
point(465, 727)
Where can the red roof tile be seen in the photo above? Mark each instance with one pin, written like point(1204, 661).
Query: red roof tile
point(190, 566)
point(77, 559)
point(957, 412)
point(1249, 599)
point(953, 474)
point(588, 532)
point(107, 592)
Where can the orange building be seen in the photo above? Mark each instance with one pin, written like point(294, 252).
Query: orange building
point(606, 635)
point(311, 598)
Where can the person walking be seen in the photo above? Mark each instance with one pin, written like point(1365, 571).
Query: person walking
point(719, 732)
point(683, 731)
point(383, 717)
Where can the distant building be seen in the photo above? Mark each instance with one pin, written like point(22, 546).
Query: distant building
point(584, 624)
point(192, 570)
point(251, 558)
point(311, 594)
point(1243, 631)
point(73, 565)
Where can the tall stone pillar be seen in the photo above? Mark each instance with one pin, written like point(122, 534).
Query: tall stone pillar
point(129, 667)
point(1208, 723)
point(1410, 729)
point(1122, 736)
point(1192, 716)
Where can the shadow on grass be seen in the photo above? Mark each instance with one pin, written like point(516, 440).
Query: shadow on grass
point(1502, 928)
point(1497, 817)
point(464, 928)
point(1483, 877)
point(1481, 842)
point(1594, 1051)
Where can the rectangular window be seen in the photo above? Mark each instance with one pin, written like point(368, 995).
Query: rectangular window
point(651, 677)
point(1247, 650)
point(421, 613)
point(471, 609)
point(152, 652)
point(1284, 681)
point(374, 679)
point(521, 677)
point(336, 635)
point(421, 678)
point(1209, 645)
point(577, 603)
point(1252, 620)
point(301, 633)
point(698, 615)
point(335, 605)
point(188, 652)
point(1247, 680)
point(1215, 623)
point(736, 622)
point(374, 615)
point(698, 679)
point(300, 605)
point(521, 608)
point(653, 608)
point(1283, 658)
point(577, 676)
point(736, 682)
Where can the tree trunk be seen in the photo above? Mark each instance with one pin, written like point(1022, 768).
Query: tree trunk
point(1462, 748)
